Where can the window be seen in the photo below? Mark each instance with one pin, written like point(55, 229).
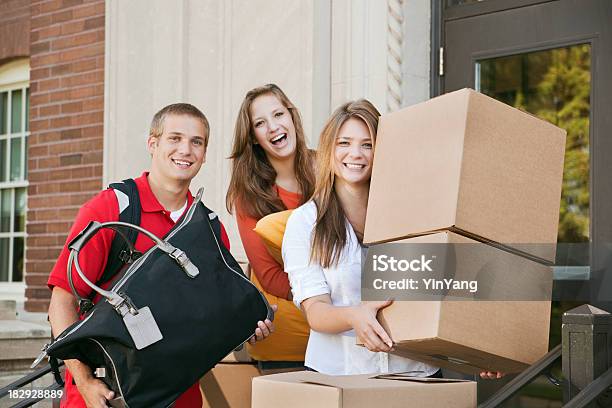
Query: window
point(14, 132)
point(555, 85)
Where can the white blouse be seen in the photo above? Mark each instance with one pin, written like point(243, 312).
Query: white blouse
point(334, 354)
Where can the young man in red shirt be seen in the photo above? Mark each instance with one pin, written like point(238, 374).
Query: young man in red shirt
point(177, 143)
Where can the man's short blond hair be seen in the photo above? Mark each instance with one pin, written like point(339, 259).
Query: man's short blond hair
point(157, 124)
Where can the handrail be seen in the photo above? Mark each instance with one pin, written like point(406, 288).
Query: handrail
point(591, 391)
point(4, 391)
point(522, 379)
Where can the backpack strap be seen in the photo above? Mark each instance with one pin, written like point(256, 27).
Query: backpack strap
point(122, 250)
point(129, 211)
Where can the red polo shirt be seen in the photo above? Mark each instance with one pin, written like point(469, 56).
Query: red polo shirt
point(104, 208)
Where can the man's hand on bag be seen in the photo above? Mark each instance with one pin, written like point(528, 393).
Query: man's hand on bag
point(263, 329)
point(95, 393)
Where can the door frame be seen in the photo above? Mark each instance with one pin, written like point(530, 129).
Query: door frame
point(440, 14)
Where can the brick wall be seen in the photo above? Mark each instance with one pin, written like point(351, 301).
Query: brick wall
point(66, 124)
point(14, 29)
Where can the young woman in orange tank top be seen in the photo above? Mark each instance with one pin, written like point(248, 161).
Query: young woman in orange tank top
point(272, 170)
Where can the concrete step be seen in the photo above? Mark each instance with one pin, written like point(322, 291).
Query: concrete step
point(20, 343)
point(8, 310)
point(41, 383)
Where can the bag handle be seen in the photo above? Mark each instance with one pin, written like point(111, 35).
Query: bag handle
point(114, 298)
point(85, 303)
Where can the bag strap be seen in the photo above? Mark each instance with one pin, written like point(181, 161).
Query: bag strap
point(121, 252)
point(55, 365)
point(122, 249)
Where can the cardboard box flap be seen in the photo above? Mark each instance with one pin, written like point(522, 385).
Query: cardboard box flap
point(321, 383)
point(540, 253)
point(433, 232)
point(341, 382)
point(350, 382)
point(407, 377)
point(292, 377)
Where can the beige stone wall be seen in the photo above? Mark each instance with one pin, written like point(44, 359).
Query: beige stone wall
point(359, 52)
point(210, 52)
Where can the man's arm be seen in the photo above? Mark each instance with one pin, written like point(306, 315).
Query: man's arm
point(63, 306)
point(62, 314)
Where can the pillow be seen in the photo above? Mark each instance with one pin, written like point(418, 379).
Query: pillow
point(271, 229)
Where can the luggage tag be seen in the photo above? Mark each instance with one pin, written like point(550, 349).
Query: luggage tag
point(143, 328)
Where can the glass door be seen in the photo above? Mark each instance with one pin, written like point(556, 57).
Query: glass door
point(551, 59)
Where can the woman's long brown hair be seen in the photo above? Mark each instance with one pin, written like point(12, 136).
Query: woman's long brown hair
point(330, 233)
point(253, 177)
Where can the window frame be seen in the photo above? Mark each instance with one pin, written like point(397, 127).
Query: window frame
point(14, 76)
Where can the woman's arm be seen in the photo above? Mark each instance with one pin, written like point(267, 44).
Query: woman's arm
point(324, 317)
point(269, 273)
point(312, 293)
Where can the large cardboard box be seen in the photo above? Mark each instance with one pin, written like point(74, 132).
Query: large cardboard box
point(475, 335)
point(228, 385)
point(305, 389)
point(466, 162)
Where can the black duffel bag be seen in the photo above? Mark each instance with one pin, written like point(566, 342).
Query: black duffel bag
point(172, 315)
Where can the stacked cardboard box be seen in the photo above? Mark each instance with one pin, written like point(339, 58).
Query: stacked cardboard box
point(310, 389)
point(467, 168)
point(228, 384)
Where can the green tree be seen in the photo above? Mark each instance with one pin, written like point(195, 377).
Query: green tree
point(563, 98)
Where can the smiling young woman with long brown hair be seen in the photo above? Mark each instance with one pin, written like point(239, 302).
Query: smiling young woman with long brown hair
point(258, 162)
point(272, 170)
point(322, 253)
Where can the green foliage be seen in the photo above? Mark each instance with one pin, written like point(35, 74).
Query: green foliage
point(564, 100)
point(555, 86)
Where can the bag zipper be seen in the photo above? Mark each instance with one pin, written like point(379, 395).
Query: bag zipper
point(114, 369)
